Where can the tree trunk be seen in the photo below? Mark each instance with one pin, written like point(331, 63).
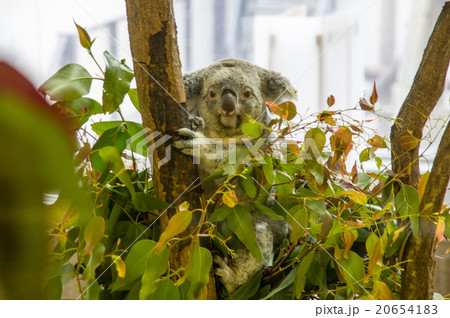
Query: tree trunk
point(157, 67)
point(428, 85)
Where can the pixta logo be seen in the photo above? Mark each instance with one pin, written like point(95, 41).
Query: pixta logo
point(149, 143)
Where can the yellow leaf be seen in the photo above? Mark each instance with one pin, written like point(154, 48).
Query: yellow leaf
point(120, 265)
point(349, 238)
point(422, 183)
point(396, 234)
point(381, 291)
point(358, 197)
point(230, 198)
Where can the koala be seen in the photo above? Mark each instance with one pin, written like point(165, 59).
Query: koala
point(219, 97)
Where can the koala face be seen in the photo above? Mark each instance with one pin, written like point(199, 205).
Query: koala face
point(224, 93)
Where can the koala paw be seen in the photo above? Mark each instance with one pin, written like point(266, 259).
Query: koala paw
point(197, 122)
point(186, 132)
point(186, 146)
point(225, 272)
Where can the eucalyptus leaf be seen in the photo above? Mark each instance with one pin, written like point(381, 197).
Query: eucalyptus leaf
point(240, 222)
point(70, 82)
point(135, 263)
point(117, 82)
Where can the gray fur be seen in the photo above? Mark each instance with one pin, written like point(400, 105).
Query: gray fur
point(251, 87)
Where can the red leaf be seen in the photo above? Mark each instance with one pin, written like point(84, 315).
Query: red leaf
point(440, 229)
point(374, 97)
point(326, 117)
point(355, 128)
point(286, 110)
point(330, 100)
point(377, 142)
point(365, 105)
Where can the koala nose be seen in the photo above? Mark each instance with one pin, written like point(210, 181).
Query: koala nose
point(228, 102)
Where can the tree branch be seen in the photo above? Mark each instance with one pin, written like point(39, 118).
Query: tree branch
point(428, 85)
point(426, 90)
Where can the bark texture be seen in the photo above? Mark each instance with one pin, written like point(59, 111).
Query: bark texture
point(428, 85)
point(157, 67)
point(426, 90)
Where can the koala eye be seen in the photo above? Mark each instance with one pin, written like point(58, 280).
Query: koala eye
point(212, 94)
point(247, 94)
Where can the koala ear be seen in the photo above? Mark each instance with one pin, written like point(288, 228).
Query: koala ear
point(193, 86)
point(274, 86)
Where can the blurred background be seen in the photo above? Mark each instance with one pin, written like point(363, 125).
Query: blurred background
point(324, 47)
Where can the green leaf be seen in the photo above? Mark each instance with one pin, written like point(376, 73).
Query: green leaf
point(93, 233)
point(283, 184)
point(135, 232)
point(407, 201)
point(66, 272)
point(111, 157)
point(327, 224)
point(81, 109)
point(165, 290)
point(29, 125)
point(252, 129)
point(315, 273)
point(249, 288)
point(267, 211)
point(135, 263)
point(117, 82)
point(315, 141)
point(95, 260)
point(247, 183)
point(415, 225)
point(316, 169)
point(132, 127)
point(379, 162)
point(133, 95)
point(220, 214)
point(197, 270)
point(395, 240)
point(300, 278)
point(53, 290)
point(156, 266)
point(240, 223)
point(144, 202)
point(70, 82)
point(353, 269)
point(116, 137)
point(446, 215)
point(285, 283)
point(366, 154)
point(297, 218)
point(92, 293)
point(268, 169)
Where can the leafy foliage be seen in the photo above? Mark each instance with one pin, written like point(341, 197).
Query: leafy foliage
point(348, 227)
